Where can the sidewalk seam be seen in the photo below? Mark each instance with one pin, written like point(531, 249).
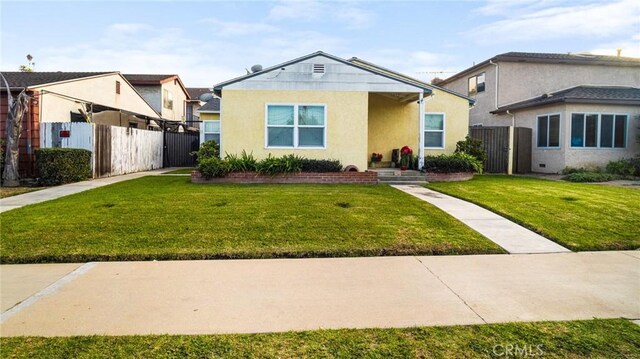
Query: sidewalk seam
point(51, 289)
point(451, 289)
point(629, 255)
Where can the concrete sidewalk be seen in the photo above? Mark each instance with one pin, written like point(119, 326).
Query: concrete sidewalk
point(511, 236)
point(9, 203)
point(248, 296)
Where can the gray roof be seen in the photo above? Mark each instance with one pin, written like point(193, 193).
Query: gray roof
point(217, 88)
point(19, 80)
point(541, 57)
point(196, 92)
point(212, 105)
point(615, 95)
point(147, 79)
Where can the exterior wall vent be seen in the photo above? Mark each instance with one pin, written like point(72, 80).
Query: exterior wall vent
point(317, 71)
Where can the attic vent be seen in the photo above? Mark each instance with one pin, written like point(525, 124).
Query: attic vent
point(318, 68)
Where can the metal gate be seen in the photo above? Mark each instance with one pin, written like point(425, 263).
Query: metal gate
point(102, 151)
point(496, 143)
point(178, 147)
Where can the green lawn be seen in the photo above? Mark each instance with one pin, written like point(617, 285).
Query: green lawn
point(614, 338)
point(579, 216)
point(182, 171)
point(168, 217)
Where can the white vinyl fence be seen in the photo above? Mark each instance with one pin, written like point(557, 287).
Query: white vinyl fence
point(115, 150)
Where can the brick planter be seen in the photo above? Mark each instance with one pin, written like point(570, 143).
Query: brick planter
point(303, 177)
point(449, 177)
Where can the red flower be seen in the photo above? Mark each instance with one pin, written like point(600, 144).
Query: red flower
point(406, 150)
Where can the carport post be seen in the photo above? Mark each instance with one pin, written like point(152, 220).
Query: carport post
point(421, 111)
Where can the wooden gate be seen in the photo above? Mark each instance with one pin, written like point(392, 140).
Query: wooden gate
point(178, 147)
point(102, 151)
point(496, 143)
point(522, 150)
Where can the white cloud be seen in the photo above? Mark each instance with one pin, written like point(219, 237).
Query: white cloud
point(420, 64)
point(234, 28)
point(170, 50)
point(535, 23)
point(629, 47)
point(345, 13)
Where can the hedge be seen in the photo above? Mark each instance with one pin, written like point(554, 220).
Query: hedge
point(62, 165)
point(457, 162)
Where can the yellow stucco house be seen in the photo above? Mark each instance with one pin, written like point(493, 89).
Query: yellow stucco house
point(324, 107)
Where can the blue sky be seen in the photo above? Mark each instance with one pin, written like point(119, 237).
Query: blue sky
point(209, 42)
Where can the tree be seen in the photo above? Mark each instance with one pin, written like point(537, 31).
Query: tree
point(15, 111)
point(436, 80)
point(25, 68)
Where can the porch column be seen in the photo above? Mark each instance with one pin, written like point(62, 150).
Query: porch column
point(421, 130)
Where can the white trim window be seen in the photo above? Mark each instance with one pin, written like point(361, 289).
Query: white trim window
point(476, 84)
point(434, 125)
point(596, 130)
point(211, 130)
point(167, 99)
point(295, 126)
point(548, 131)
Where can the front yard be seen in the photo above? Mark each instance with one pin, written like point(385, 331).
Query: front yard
point(14, 191)
point(581, 217)
point(167, 217)
point(613, 338)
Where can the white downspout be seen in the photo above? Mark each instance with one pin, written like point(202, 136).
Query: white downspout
point(496, 84)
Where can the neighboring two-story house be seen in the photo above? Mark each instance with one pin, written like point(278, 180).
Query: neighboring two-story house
point(584, 110)
point(166, 94)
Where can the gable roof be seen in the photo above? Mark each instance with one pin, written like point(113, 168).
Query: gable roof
point(196, 92)
point(616, 95)
point(154, 79)
point(217, 88)
point(212, 106)
point(20, 80)
point(553, 58)
point(399, 75)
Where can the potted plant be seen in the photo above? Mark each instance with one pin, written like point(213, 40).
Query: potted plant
point(375, 157)
point(405, 157)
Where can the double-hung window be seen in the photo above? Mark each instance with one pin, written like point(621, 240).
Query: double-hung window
point(476, 84)
point(211, 131)
point(434, 130)
point(296, 126)
point(549, 131)
point(596, 130)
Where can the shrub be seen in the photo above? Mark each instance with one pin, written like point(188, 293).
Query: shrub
point(208, 149)
point(241, 163)
point(308, 165)
point(473, 147)
point(276, 165)
point(589, 177)
point(63, 165)
point(457, 162)
point(623, 167)
point(569, 170)
point(635, 162)
point(213, 167)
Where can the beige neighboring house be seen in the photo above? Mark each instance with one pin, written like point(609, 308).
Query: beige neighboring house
point(98, 97)
point(584, 110)
point(166, 94)
point(195, 102)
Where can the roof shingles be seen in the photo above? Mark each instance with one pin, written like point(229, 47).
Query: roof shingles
point(581, 94)
point(26, 79)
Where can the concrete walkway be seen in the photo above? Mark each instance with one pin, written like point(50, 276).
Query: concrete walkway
point(47, 194)
point(511, 236)
point(247, 296)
